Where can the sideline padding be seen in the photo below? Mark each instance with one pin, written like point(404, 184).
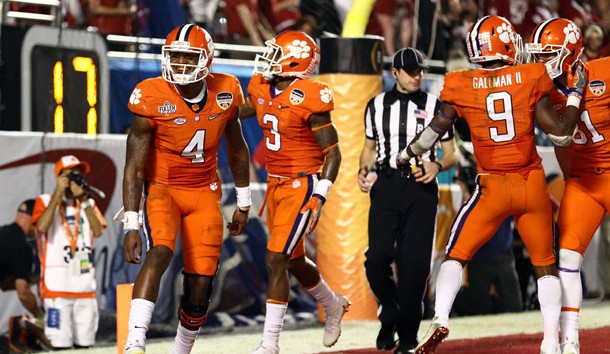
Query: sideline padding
point(342, 234)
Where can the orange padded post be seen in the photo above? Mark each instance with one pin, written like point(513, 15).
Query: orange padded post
point(123, 302)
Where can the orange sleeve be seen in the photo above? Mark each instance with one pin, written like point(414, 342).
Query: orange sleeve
point(39, 208)
point(142, 100)
point(542, 81)
point(318, 98)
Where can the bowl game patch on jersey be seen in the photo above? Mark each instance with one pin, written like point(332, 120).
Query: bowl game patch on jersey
point(296, 96)
point(224, 100)
point(597, 87)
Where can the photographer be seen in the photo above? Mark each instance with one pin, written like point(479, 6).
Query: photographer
point(66, 222)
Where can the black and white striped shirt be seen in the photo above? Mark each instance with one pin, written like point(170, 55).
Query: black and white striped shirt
point(393, 119)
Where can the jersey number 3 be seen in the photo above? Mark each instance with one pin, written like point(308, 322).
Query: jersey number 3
point(500, 108)
point(273, 142)
point(195, 148)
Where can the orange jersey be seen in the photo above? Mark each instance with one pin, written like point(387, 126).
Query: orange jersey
point(291, 149)
point(187, 136)
point(590, 148)
point(498, 106)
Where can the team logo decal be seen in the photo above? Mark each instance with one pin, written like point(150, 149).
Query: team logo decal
point(135, 96)
point(224, 100)
point(296, 96)
point(180, 120)
point(296, 183)
point(597, 87)
point(260, 101)
point(214, 186)
point(326, 95)
point(167, 108)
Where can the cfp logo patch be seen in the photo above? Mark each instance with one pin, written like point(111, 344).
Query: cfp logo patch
point(167, 108)
point(597, 87)
point(224, 100)
point(296, 96)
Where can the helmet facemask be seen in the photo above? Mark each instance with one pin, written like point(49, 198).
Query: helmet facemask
point(184, 73)
point(268, 64)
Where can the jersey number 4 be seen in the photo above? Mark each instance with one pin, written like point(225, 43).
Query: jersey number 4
point(195, 148)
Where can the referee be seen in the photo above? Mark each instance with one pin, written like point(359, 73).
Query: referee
point(403, 209)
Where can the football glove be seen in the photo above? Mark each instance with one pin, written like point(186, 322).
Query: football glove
point(314, 206)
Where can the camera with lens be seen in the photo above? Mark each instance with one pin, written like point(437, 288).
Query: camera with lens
point(77, 178)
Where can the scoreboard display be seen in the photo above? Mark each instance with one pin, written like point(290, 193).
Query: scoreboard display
point(64, 81)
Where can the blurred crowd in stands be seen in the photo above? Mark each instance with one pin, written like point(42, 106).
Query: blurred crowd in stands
point(402, 23)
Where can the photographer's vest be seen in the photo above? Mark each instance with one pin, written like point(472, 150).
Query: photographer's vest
point(66, 253)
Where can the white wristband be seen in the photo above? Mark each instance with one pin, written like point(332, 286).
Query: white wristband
point(244, 197)
point(86, 204)
point(323, 187)
point(130, 221)
point(573, 100)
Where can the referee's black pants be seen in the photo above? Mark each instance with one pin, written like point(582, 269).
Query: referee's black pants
point(402, 219)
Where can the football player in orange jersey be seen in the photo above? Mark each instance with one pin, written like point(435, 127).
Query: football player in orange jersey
point(172, 148)
point(500, 105)
point(294, 113)
point(584, 163)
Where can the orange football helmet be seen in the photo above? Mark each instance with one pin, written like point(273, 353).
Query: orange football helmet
point(494, 38)
point(290, 54)
point(190, 39)
point(557, 36)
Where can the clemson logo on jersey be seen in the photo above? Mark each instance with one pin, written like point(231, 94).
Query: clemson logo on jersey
point(597, 87)
point(224, 100)
point(326, 95)
point(296, 96)
point(167, 108)
point(135, 96)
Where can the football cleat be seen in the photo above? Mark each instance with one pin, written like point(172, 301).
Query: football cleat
point(334, 314)
point(570, 348)
point(434, 337)
point(266, 347)
point(546, 348)
point(135, 347)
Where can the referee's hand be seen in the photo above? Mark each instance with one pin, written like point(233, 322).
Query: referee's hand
point(366, 179)
point(429, 172)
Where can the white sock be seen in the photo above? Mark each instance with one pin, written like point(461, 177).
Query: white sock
point(549, 296)
point(185, 338)
point(274, 320)
point(571, 293)
point(448, 283)
point(140, 313)
point(322, 293)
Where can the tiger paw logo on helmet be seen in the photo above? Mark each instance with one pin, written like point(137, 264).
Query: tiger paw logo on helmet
point(572, 33)
point(505, 32)
point(135, 96)
point(326, 95)
point(299, 49)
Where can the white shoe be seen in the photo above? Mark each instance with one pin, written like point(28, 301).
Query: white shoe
point(334, 315)
point(570, 348)
point(434, 337)
point(266, 347)
point(549, 349)
point(135, 347)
